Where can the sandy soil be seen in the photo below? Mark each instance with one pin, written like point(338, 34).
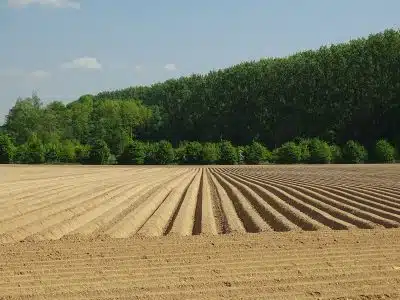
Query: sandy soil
point(289, 232)
point(355, 264)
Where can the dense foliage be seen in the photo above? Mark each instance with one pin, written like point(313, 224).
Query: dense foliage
point(330, 105)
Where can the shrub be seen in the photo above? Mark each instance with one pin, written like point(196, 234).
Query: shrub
point(52, 152)
point(384, 152)
point(67, 152)
point(255, 153)
point(160, 153)
point(7, 149)
point(193, 153)
point(354, 152)
point(288, 153)
point(134, 154)
point(32, 152)
point(228, 154)
point(82, 153)
point(320, 152)
point(336, 154)
point(180, 153)
point(304, 145)
point(240, 152)
point(210, 153)
point(99, 153)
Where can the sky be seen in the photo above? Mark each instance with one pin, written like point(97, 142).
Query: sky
point(62, 49)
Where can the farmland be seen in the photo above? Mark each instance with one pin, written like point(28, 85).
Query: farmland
point(91, 232)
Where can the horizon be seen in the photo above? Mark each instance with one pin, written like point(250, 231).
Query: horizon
point(92, 56)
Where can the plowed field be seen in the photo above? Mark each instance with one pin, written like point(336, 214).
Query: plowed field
point(318, 231)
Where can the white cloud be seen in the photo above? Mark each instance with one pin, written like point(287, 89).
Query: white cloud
point(83, 63)
point(170, 67)
point(54, 3)
point(138, 68)
point(39, 74)
point(21, 74)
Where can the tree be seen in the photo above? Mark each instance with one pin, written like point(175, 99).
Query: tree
point(255, 153)
point(67, 152)
point(228, 154)
point(354, 152)
point(210, 153)
point(320, 152)
point(34, 151)
point(163, 153)
point(385, 152)
point(99, 153)
point(336, 154)
point(134, 154)
point(193, 153)
point(52, 152)
point(7, 149)
point(288, 153)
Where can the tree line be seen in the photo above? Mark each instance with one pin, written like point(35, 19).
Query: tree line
point(312, 151)
point(338, 94)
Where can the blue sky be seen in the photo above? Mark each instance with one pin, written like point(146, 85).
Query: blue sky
point(66, 48)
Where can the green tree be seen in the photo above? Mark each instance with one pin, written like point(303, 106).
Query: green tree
point(193, 153)
point(255, 153)
point(52, 152)
point(288, 153)
point(385, 152)
point(134, 154)
point(7, 149)
point(161, 153)
point(228, 154)
point(320, 152)
point(210, 153)
point(99, 153)
point(34, 151)
point(67, 152)
point(354, 152)
point(336, 154)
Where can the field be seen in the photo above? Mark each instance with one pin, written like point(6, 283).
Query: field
point(79, 232)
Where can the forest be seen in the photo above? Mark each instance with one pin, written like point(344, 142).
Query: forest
point(337, 104)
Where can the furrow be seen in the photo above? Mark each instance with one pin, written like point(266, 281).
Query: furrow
point(207, 222)
point(232, 222)
point(276, 220)
point(135, 219)
point(251, 220)
point(353, 206)
point(77, 206)
point(185, 218)
point(157, 223)
point(297, 217)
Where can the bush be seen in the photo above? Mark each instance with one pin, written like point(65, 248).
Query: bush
point(336, 154)
point(160, 153)
point(99, 153)
point(288, 153)
point(32, 152)
point(304, 145)
point(7, 149)
point(52, 152)
point(67, 152)
point(320, 152)
point(384, 152)
point(193, 153)
point(354, 153)
point(228, 154)
point(210, 153)
point(255, 153)
point(82, 153)
point(240, 153)
point(134, 154)
point(180, 153)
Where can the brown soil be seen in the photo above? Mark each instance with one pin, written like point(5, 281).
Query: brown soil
point(288, 232)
